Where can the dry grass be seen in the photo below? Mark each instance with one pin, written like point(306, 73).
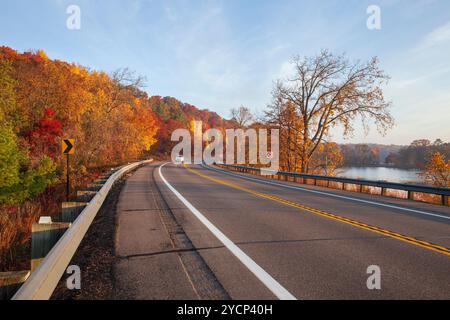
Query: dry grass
point(15, 230)
point(16, 222)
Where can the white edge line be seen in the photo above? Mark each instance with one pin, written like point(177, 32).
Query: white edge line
point(276, 288)
point(329, 194)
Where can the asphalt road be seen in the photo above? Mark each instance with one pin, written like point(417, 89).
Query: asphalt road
point(197, 233)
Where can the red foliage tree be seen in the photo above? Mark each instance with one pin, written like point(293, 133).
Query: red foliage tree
point(44, 137)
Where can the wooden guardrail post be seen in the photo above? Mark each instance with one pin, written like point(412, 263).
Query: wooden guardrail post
point(11, 281)
point(44, 279)
point(94, 186)
point(44, 235)
point(85, 195)
point(445, 200)
point(104, 176)
point(71, 210)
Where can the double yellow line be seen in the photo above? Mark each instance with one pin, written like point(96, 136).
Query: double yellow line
point(361, 225)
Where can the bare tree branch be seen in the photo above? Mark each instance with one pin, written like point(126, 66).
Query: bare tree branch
point(329, 91)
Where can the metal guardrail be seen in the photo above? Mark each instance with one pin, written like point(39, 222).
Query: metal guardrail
point(43, 281)
point(410, 188)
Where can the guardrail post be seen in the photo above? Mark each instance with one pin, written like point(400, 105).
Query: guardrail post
point(94, 186)
point(43, 237)
point(445, 200)
point(11, 281)
point(44, 279)
point(343, 186)
point(383, 191)
point(71, 210)
point(85, 195)
point(104, 176)
point(410, 195)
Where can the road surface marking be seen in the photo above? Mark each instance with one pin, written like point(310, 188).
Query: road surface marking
point(277, 289)
point(329, 194)
point(388, 233)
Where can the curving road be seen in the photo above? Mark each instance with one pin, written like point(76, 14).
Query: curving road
point(196, 232)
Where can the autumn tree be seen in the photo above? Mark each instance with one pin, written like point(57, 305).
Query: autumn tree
point(21, 177)
point(437, 171)
point(242, 116)
point(327, 158)
point(44, 137)
point(418, 153)
point(7, 94)
point(329, 91)
point(9, 162)
point(282, 115)
point(44, 100)
point(360, 155)
point(173, 114)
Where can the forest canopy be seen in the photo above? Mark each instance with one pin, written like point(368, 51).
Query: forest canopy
point(112, 119)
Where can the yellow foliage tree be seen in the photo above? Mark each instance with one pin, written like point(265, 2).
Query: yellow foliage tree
point(437, 171)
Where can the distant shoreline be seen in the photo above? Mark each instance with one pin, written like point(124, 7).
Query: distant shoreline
point(380, 166)
point(382, 173)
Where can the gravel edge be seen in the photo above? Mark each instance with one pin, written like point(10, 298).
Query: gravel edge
point(96, 254)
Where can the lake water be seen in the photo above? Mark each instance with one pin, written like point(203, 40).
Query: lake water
point(380, 173)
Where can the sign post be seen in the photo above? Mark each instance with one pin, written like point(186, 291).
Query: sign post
point(68, 148)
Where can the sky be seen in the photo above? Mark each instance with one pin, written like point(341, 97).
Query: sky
point(223, 54)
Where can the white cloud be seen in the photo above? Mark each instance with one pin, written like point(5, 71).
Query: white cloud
point(437, 37)
point(407, 82)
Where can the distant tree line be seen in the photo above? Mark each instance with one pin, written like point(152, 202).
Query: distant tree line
point(360, 155)
point(173, 114)
point(418, 154)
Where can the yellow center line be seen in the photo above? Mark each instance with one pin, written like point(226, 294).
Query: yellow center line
point(358, 224)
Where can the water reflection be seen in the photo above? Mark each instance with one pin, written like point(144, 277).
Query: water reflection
point(381, 173)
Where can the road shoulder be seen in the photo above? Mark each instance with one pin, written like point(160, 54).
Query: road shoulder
point(156, 260)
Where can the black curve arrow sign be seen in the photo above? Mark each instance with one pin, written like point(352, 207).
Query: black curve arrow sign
point(69, 146)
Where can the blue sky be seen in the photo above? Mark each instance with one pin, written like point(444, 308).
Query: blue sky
point(221, 54)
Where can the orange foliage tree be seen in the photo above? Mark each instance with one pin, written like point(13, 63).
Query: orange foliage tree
point(43, 101)
point(109, 117)
point(437, 171)
point(173, 114)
